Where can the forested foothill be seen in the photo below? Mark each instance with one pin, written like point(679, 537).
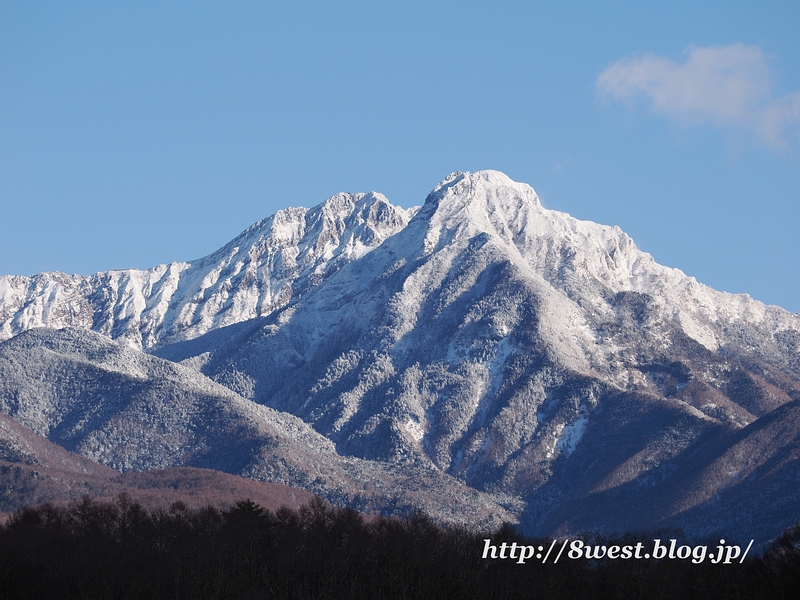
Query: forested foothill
point(119, 549)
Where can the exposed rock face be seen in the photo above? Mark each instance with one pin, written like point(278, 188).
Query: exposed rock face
point(487, 344)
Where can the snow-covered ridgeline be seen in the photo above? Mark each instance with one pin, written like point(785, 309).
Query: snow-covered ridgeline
point(581, 266)
point(253, 275)
point(585, 261)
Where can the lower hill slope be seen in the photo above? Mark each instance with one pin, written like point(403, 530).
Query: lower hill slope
point(130, 411)
point(34, 470)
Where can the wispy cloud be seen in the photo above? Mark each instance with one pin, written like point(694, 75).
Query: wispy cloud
point(725, 85)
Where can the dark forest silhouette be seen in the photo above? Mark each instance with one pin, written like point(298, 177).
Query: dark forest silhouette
point(119, 549)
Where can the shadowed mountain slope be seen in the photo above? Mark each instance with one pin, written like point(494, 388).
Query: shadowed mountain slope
point(136, 412)
point(34, 470)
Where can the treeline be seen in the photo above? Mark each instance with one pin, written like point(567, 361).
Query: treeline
point(120, 550)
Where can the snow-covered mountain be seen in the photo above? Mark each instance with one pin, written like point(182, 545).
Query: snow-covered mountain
point(541, 361)
point(256, 273)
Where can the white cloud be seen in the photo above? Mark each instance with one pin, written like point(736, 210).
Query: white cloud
point(725, 85)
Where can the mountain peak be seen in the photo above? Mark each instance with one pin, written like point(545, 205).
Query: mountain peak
point(468, 204)
point(488, 184)
point(258, 272)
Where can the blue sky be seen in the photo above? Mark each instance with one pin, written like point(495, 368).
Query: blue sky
point(138, 133)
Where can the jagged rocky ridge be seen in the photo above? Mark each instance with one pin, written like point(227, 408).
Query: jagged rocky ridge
point(542, 360)
point(261, 270)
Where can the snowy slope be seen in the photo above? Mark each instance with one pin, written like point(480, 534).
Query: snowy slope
point(588, 264)
point(132, 411)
